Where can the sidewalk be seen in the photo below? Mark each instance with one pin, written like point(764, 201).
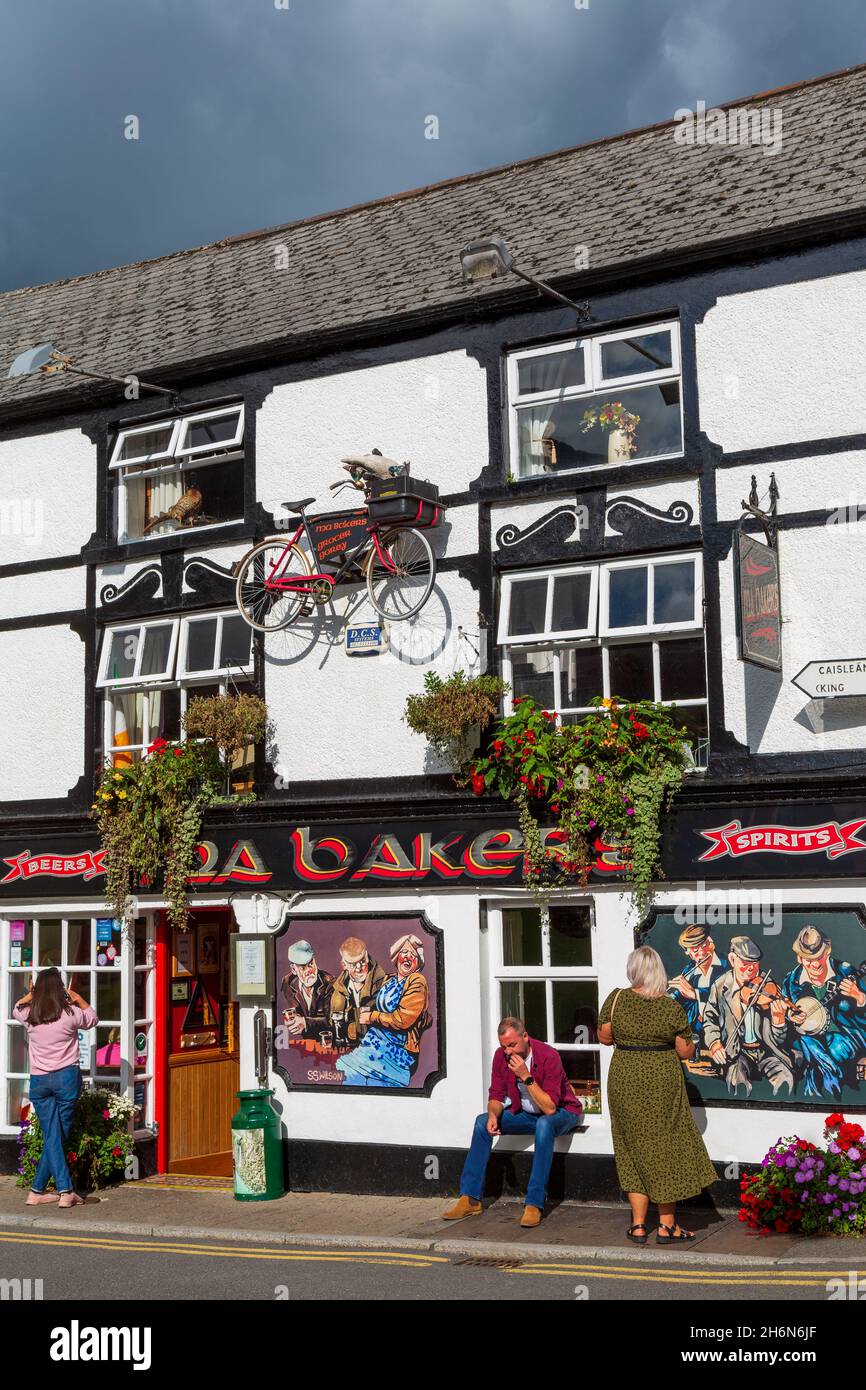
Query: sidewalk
point(205, 1209)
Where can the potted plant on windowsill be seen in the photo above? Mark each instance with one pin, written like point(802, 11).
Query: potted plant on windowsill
point(235, 724)
point(608, 778)
point(619, 424)
point(452, 713)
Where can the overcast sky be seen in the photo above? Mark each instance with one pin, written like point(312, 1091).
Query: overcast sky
point(252, 113)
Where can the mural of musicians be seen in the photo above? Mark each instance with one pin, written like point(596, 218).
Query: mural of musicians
point(692, 987)
point(830, 1017)
point(388, 1054)
point(745, 1031)
point(306, 991)
point(355, 988)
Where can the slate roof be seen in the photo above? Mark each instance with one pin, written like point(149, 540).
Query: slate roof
point(631, 197)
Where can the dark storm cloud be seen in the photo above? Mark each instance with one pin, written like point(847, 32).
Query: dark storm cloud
point(252, 115)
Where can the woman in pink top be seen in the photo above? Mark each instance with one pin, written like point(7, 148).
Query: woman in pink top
point(53, 1018)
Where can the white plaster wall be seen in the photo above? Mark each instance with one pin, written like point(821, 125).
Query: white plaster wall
point(48, 591)
point(823, 595)
point(337, 716)
point(832, 482)
point(431, 410)
point(47, 496)
point(41, 712)
point(784, 364)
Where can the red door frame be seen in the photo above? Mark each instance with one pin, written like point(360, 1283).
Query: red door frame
point(162, 1016)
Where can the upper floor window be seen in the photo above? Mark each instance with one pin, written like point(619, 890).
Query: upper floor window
point(149, 671)
point(613, 398)
point(177, 473)
point(631, 628)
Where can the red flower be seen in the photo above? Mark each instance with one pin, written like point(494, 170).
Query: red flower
point(477, 783)
point(71, 1158)
point(833, 1120)
point(802, 1145)
point(158, 745)
point(178, 752)
point(641, 731)
point(116, 1151)
point(781, 1225)
point(498, 745)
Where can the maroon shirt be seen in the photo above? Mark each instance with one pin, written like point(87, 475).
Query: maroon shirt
point(547, 1070)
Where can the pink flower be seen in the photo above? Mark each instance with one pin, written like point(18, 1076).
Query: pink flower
point(106, 1114)
point(630, 811)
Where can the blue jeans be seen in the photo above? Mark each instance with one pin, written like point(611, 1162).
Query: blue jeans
point(54, 1097)
point(545, 1128)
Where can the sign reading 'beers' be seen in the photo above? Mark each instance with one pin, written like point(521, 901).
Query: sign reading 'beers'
point(759, 601)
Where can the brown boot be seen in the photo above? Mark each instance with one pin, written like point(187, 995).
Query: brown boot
point(531, 1216)
point(466, 1206)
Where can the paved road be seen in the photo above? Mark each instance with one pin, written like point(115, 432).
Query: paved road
point(96, 1267)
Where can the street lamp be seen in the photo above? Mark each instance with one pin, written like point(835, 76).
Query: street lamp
point(49, 361)
point(490, 259)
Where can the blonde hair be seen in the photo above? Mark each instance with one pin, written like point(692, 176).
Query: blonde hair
point(645, 970)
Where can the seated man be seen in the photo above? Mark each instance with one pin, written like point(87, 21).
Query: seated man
point(531, 1076)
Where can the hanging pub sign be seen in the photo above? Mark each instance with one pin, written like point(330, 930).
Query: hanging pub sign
point(760, 613)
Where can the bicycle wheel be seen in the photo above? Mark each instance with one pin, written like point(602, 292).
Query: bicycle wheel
point(266, 609)
point(400, 585)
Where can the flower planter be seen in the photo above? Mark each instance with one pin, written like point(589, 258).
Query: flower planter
point(618, 447)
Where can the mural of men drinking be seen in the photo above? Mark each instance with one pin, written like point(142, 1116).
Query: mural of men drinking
point(351, 1020)
point(778, 1016)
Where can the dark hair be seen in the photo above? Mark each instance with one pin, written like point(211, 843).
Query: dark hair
point(50, 999)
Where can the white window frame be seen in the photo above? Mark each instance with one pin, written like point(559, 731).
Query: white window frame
point(176, 458)
point(183, 674)
point(594, 383)
point(650, 564)
point(104, 677)
point(521, 576)
point(499, 973)
point(124, 970)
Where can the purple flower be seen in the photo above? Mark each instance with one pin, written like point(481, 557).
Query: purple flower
point(599, 778)
point(804, 1195)
point(630, 811)
point(836, 1213)
point(833, 1179)
point(801, 1177)
point(834, 1147)
point(559, 784)
point(592, 825)
point(790, 1162)
point(844, 1184)
point(855, 1154)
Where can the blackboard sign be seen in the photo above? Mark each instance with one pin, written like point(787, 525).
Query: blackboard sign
point(760, 610)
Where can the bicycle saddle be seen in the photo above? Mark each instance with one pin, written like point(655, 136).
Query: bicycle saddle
point(298, 506)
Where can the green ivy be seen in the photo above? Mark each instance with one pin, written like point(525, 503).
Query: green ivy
point(449, 709)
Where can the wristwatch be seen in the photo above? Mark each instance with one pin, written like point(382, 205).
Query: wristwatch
point(529, 1080)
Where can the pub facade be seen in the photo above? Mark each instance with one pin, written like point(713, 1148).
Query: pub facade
point(708, 562)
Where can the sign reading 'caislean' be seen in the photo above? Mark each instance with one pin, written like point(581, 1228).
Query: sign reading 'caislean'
point(823, 680)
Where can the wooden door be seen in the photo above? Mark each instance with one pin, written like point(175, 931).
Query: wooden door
point(203, 1065)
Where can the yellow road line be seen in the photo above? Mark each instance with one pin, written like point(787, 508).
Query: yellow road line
point(685, 1271)
point(155, 1245)
point(652, 1276)
point(166, 1187)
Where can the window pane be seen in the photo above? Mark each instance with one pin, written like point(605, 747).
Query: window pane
point(18, 1106)
point(222, 488)
point(141, 1047)
point(583, 1070)
point(157, 643)
point(108, 996)
point(211, 432)
point(683, 674)
point(165, 714)
point(108, 952)
point(575, 1011)
point(631, 671)
point(21, 943)
point(526, 611)
point(580, 675)
point(141, 446)
point(81, 981)
point(521, 936)
point(139, 1004)
point(19, 1053)
point(570, 602)
point(627, 604)
point(674, 588)
point(17, 986)
point(648, 352)
point(122, 653)
point(525, 999)
point(235, 645)
point(201, 645)
point(551, 438)
point(532, 676)
point(78, 941)
point(695, 720)
point(551, 371)
point(570, 936)
point(107, 1050)
point(49, 942)
point(140, 941)
point(140, 1100)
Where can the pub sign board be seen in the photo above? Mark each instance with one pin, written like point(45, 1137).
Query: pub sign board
point(759, 602)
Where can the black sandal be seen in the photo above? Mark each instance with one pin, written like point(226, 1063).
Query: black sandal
point(671, 1238)
point(637, 1240)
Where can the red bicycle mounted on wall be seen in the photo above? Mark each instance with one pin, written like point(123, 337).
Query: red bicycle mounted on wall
point(380, 544)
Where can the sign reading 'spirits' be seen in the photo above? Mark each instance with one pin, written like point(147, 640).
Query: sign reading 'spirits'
point(760, 610)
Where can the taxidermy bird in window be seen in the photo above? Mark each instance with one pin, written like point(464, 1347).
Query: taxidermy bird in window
point(375, 464)
point(183, 511)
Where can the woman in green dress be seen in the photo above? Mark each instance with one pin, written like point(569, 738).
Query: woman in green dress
point(660, 1156)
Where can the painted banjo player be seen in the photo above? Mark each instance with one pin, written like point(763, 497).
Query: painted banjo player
point(828, 1013)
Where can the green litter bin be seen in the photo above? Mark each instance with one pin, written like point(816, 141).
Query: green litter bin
point(257, 1148)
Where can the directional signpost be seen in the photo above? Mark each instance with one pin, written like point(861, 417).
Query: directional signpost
point(829, 680)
